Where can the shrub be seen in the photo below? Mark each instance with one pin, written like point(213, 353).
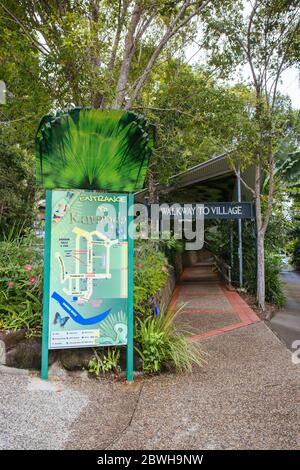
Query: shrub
point(107, 361)
point(159, 343)
point(294, 250)
point(150, 275)
point(20, 284)
point(16, 187)
point(171, 247)
point(219, 242)
point(274, 285)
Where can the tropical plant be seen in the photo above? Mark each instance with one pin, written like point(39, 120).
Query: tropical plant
point(171, 247)
point(20, 284)
point(293, 249)
point(21, 313)
point(274, 285)
point(159, 344)
point(296, 254)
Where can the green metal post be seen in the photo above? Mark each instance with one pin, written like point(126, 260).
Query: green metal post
point(46, 292)
point(130, 327)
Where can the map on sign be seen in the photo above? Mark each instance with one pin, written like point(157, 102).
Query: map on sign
point(88, 269)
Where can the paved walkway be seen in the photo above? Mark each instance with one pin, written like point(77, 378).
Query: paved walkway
point(208, 308)
point(286, 322)
point(246, 397)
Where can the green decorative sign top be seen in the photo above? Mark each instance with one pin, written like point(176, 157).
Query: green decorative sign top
point(93, 149)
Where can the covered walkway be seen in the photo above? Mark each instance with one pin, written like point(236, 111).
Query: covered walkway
point(208, 307)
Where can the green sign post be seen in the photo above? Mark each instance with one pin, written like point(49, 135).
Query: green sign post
point(88, 278)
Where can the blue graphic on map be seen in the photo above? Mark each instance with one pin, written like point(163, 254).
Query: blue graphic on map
point(75, 315)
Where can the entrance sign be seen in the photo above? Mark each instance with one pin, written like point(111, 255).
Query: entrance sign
point(210, 210)
point(88, 274)
point(88, 269)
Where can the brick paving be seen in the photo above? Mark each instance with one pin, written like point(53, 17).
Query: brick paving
point(208, 308)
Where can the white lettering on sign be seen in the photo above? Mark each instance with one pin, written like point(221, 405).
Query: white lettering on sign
point(201, 210)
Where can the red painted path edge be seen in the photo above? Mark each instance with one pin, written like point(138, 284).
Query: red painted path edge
point(245, 313)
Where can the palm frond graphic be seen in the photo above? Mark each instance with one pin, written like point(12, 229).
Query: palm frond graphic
point(93, 149)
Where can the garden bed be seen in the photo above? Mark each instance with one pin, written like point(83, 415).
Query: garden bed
point(22, 350)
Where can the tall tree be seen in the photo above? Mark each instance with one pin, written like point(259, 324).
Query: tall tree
point(262, 34)
point(196, 116)
point(88, 49)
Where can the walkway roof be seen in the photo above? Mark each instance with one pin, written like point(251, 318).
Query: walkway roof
point(211, 181)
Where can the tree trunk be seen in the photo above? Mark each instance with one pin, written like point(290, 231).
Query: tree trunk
point(260, 291)
point(261, 269)
point(151, 187)
point(128, 54)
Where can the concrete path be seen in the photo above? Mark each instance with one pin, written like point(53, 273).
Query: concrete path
point(286, 322)
point(245, 397)
point(208, 308)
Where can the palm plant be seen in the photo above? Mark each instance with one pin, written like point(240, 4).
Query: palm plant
point(93, 149)
point(287, 163)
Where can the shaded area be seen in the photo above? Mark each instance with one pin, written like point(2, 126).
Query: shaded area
point(211, 181)
point(215, 189)
point(207, 306)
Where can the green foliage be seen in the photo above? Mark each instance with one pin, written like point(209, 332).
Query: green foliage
point(16, 188)
point(171, 248)
point(196, 117)
point(150, 274)
point(293, 248)
point(274, 285)
point(287, 155)
point(20, 284)
point(21, 313)
point(218, 238)
point(93, 149)
point(104, 361)
point(28, 95)
point(159, 343)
